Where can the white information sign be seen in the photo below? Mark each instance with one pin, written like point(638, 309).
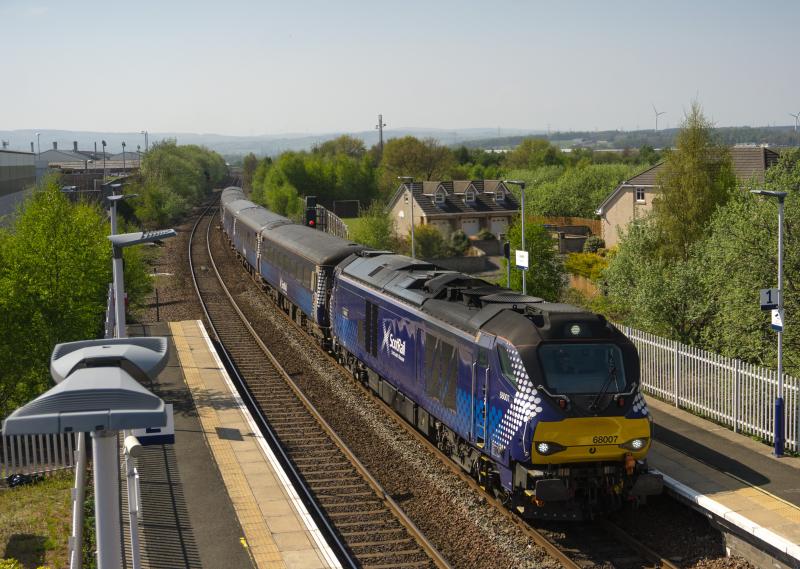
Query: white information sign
point(770, 298)
point(522, 258)
point(777, 320)
point(158, 435)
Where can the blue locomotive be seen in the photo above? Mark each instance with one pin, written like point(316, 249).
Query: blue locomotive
point(539, 401)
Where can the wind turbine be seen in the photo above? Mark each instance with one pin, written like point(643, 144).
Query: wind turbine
point(658, 115)
point(796, 119)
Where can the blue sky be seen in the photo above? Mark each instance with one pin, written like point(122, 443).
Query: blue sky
point(237, 67)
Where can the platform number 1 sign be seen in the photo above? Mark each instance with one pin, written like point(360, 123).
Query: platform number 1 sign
point(770, 298)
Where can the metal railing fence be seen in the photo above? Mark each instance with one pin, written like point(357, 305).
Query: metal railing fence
point(36, 454)
point(725, 390)
point(331, 223)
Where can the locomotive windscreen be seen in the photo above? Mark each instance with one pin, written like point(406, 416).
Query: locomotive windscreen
point(583, 368)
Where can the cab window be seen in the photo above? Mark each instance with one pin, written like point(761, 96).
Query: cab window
point(506, 368)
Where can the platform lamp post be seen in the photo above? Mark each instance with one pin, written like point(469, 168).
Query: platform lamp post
point(409, 182)
point(521, 185)
point(98, 390)
point(123, 155)
point(779, 434)
point(103, 142)
point(119, 242)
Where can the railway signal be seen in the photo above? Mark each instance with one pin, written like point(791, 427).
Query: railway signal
point(311, 211)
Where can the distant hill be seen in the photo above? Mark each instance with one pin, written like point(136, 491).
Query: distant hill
point(490, 138)
point(262, 145)
point(772, 135)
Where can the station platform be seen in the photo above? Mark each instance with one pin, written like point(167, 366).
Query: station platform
point(733, 479)
point(217, 497)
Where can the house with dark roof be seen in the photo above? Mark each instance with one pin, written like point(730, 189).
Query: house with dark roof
point(633, 199)
point(468, 205)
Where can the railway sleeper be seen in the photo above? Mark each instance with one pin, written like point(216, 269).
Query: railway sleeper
point(380, 542)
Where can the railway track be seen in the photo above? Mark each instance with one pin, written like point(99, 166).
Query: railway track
point(599, 543)
point(364, 525)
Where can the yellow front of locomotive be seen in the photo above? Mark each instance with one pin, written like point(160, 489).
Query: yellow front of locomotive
point(588, 443)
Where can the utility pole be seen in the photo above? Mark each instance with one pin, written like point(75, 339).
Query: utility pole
point(380, 126)
point(521, 186)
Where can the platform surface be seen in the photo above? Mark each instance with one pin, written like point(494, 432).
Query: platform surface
point(730, 475)
point(188, 520)
point(277, 528)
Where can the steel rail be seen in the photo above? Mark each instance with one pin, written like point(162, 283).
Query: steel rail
point(390, 503)
point(341, 550)
point(538, 537)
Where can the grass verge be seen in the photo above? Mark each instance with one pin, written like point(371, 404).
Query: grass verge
point(35, 522)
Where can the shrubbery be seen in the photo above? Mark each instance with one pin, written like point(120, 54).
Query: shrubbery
point(173, 179)
point(55, 266)
point(589, 265)
point(593, 244)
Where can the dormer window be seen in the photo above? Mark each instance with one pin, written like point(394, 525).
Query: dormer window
point(500, 195)
point(440, 196)
point(469, 196)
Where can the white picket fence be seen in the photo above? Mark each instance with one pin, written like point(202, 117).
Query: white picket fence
point(36, 454)
point(724, 390)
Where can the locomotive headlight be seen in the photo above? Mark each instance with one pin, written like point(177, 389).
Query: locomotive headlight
point(635, 444)
point(548, 448)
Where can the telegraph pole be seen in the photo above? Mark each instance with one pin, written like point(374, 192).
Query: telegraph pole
point(380, 126)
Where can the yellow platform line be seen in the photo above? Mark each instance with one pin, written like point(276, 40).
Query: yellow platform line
point(258, 538)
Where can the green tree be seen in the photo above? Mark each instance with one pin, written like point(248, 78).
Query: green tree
point(534, 153)
point(648, 154)
point(173, 178)
point(459, 243)
point(249, 165)
point(545, 277)
point(697, 177)
point(375, 228)
point(666, 297)
point(54, 273)
point(740, 257)
point(408, 156)
point(428, 242)
point(345, 144)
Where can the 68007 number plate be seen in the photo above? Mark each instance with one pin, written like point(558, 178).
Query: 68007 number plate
point(604, 439)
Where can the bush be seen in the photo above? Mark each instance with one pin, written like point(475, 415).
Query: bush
point(428, 242)
point(589, 265)
point(459, 243)
point(593, 244)
point(375, 228)
point(485, 234)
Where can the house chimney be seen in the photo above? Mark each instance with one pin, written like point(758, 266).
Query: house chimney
point(55, 145)
point(74, 145)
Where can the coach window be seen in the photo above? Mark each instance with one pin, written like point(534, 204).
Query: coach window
point(506, 368)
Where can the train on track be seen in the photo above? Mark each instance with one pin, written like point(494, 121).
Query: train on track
point(539, 401)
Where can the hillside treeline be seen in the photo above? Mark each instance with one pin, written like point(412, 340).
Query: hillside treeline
point(560, 183)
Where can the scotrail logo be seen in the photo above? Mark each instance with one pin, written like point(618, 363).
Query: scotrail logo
point(392, 344)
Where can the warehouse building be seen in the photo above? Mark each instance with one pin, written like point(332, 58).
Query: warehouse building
point(17, 174)
point(17, 171)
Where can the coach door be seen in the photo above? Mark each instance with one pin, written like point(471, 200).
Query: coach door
point(480, 395)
